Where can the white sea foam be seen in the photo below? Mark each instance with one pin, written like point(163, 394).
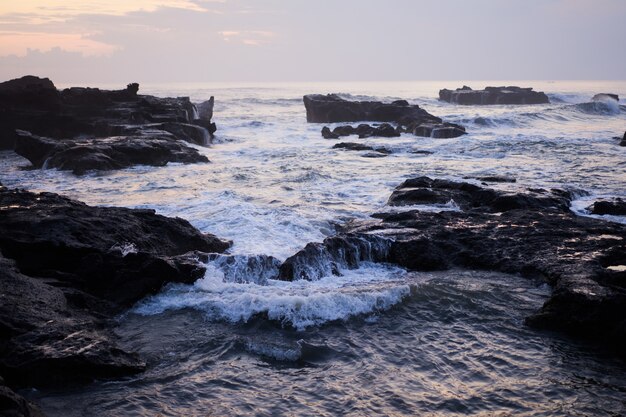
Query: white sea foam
point(300, 304)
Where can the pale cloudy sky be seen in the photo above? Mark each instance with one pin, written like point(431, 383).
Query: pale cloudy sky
point(104, 41)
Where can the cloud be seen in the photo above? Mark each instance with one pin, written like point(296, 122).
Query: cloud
point(247, 37)
point(19, 43)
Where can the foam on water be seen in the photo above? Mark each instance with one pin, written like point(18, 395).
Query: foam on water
point(300, 304)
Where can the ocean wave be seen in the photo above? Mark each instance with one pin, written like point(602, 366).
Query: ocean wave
point(300, 304)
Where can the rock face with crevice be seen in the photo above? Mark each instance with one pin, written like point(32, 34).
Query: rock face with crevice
point(67, 268)
point(493, 95)
point(96, 121)
point(409, 118)
point(530, 233)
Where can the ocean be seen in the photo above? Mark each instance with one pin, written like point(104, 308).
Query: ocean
point(378, 340)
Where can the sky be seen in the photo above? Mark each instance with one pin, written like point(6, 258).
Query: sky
point(109, 41)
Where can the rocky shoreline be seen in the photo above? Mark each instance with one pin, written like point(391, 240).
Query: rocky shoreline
point(493, 95)
point(66, 270)
point(533, 234)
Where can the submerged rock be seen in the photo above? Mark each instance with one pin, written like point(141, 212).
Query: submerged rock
point(117, 152)
point(331, 108)
point(66, 268)
point(352, 146)
point(493, 95)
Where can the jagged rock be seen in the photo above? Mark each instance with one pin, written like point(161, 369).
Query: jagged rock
point(605, 96)
point(71, 268)
point(533, 234)
point(363, 131)
point(616, 207)
point(118, 152)
point(623, 142)
point(424, 190)
point(35, 105)
point(493, 95)
point(205, 109)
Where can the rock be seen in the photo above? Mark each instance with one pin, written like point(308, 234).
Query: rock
point(33, 104)
point(205, 109)
point(623, 142)
point(331, 108)
point(53, 236)
point(439, 130)
point(327, 134)
point(493, 95)
point(605, 97)
point(352, 146)
point(533, 234)
point(616, 207)
point(188, 132)
point(423, 190)
point(80, 156)
point(67, 268)
point(493, 178)
point(14, 405)
point(363, 130)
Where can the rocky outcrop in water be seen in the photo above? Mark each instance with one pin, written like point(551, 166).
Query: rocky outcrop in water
point(66, 268)
point(409, 118)
point(116, 152)
point(605, 96)
point(95, 119)
point(531, 233)
point(384, 130)
point(623, 142)
point(493, 95)
point(615, 207)
point(352, 146)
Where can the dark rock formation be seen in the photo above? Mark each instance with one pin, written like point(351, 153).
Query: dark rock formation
point(493, 95)
point(13, 405)
point(623, 142)
point(331, 108)
point(116, 152)
point(605, 96)
point(616, 207)
point(384, 130)
point(533, 234)
point(71, 268)
point(33, 104)
point(352, 146)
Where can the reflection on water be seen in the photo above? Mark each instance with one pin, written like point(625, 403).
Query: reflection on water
point(455, 346)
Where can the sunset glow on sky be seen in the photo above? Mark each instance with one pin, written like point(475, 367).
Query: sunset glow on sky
point(321, 40)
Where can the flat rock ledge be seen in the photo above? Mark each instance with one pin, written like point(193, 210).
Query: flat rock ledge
point(493, 95)
point(532, 233)
point(104, 129)
point(66, 269)
point(408, 118)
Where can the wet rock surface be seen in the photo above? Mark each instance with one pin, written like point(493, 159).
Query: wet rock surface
point(116, 152)
point(493, 95)
point(66, 268)
point(352, 146)
point(34, 105)
point(616, 207)
point(533, 234)
point(409, 118)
